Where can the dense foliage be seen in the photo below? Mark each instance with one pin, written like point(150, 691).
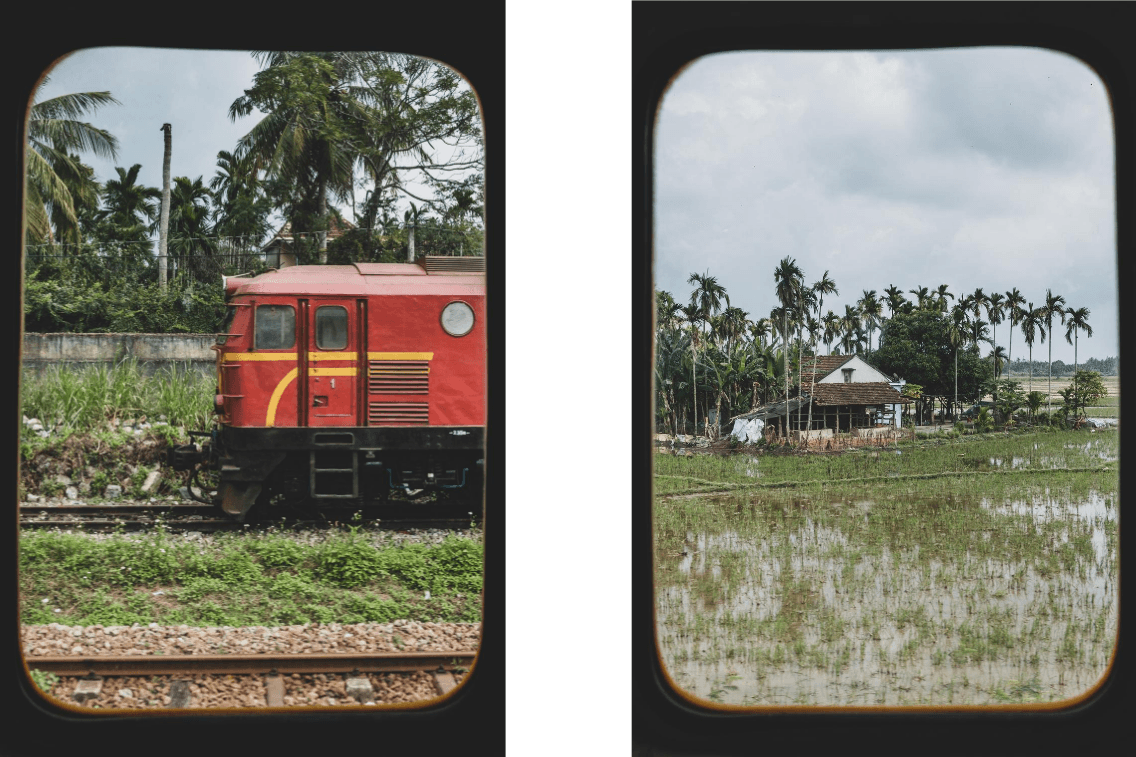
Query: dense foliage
point(918, 348)
point(237, 580)
point(330, 123)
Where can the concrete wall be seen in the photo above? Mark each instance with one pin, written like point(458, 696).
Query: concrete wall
point(152, 351)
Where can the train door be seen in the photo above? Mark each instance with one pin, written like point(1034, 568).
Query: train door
point(333, 347)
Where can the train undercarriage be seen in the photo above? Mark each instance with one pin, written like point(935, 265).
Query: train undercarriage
point(280, 471)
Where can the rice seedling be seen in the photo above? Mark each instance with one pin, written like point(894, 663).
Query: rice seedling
point(938, 564)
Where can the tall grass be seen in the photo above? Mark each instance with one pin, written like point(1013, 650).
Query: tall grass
point(72, 400)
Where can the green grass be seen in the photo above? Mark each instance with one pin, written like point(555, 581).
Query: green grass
point(929, 560)
point(241, 580)
point(73, 400)
point(915, 466)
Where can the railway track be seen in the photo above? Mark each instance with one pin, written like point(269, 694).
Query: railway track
point(204, 518)
point(252, 680)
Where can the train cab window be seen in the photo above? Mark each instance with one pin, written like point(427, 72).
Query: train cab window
point(331, 327)
point(275, 327)
point(230, 316)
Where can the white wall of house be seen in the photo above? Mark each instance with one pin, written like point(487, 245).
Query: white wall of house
point(862, 373)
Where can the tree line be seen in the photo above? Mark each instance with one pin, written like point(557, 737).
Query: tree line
point(333, 123)
point(712, 358)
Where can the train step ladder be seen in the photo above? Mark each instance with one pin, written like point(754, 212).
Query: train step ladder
point(334, 474)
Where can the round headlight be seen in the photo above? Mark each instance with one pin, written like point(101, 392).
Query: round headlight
point(457, 318)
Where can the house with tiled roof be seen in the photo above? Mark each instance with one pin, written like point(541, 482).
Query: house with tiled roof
point(280, 251)
point(847, 393)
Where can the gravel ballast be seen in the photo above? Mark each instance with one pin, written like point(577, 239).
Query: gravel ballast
point(330, 638)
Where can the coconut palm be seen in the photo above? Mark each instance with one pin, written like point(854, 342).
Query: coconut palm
point(1033, 326)
point(302, 140)
point(957, 332)
point(787, 277)
point(872, 310)
point(1014, 302)
point(53, 132)
point(1078, 321)
point(1054, 306)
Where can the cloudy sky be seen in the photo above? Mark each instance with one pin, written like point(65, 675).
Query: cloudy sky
point(189, 89)
point(988, 168)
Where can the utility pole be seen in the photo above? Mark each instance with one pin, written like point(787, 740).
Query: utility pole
point(164, 218)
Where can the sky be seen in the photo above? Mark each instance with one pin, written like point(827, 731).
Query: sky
point(189, 89)
point(986, 167)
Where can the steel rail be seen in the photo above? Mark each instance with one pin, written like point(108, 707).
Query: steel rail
point(251, 664)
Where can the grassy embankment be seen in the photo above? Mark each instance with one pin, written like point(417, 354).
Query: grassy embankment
point(103, 425)
point(892, 577)
point(229, 579)
point(245, 579)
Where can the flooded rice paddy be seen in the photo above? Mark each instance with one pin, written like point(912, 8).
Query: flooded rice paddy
point(983, 587)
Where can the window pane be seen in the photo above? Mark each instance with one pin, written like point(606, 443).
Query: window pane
point(275, 327)
point(331, 328)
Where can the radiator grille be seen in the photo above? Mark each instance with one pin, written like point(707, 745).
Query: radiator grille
point(398, 414)
point(398, 377)
point(447, 264)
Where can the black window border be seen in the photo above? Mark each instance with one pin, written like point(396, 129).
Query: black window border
point(256, 325)
point(475, 713)
point(346, 328)
point(665, 38)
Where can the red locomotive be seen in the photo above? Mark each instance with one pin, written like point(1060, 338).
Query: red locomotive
point(348, 383)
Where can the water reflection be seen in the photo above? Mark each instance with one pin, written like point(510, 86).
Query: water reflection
point(1011, 600)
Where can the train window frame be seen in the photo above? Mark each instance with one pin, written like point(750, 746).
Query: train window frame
point(472, 318)
point(665, 40)
point(259, 320)
point(319, 327)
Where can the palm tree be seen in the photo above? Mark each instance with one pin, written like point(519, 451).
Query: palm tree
point(977, 301)
point(998, 355)
point(1014, 302)
point(995, 311)
point(872, 310)
point(788, 277)
point(1033, 325)
point(667, 311)
point(851, 331)
point(941, 295)
point(706, 299)
point(895, 299)
point(126, 203)
point(760, 329)
point(53, 131)
point(832, 328)
point(191, 235)
point(825, 286)
point(303, 140)
point(692, 314)
point(1078, 321)
point(1054, 305)
point(957, 328)
point(732, 324)
point(923, 297)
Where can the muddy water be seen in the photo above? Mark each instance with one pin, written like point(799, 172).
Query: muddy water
point(801, 616)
